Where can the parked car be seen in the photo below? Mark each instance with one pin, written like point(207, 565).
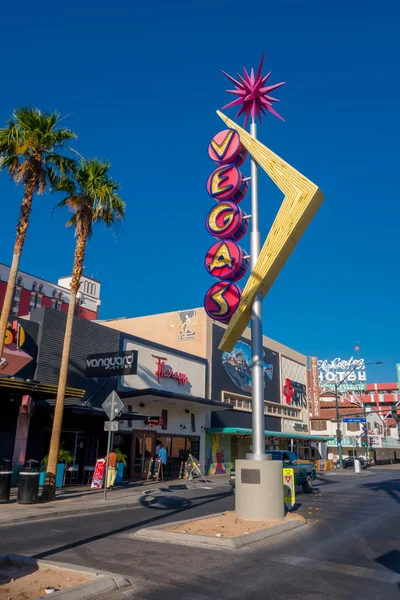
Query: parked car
point(304, 473)
point(349, 462)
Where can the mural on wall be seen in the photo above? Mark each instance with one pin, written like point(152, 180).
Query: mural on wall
point(218, 454)
point(187, 324)
point(232, 370)
point(238, 366)
point(14, 358)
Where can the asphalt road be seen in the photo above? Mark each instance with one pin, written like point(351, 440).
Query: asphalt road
point(349, 549)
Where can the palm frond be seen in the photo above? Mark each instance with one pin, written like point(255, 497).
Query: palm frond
point(34, 138)
point(94, 199)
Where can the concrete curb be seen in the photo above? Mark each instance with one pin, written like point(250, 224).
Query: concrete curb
point(159, 534)
point(102, 583)
point(68, 513)
point(81, 511)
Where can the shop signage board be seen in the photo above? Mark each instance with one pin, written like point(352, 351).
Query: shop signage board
point(336, 370)
point(110, 425)
point(154, 471)
point(164, 369)
point(354, 420)
point(313, 385)
point(98, 475)
point(289, 487)
point(111, 364)
point(153, 422)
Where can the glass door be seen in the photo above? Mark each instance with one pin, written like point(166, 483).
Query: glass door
point(143, 451)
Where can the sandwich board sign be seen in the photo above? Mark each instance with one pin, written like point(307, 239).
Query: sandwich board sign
point(288, 487)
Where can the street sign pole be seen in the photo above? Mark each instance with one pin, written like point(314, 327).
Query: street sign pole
point(111, 406)
point(106, 471)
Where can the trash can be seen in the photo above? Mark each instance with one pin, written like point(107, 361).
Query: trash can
point(5, 479)
point(357, 465)
point(28, 483)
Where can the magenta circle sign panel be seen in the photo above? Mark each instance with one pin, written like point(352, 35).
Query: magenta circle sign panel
point(225, 147)
point(226, 260)
point(222, 300)
point(227, 183)
point(226, 221)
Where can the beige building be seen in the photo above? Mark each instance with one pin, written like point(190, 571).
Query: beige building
point(229, 380)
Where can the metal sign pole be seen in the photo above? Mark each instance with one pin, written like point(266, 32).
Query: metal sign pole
point(258, 452)
point(108, 449)
point(106, 470)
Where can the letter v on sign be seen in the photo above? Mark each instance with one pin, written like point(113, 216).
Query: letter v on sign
point(220, 149)
point(302, 200)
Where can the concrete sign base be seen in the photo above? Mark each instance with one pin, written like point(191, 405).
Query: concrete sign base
point(259, 490)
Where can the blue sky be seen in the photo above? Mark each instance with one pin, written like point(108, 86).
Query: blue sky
point(142, 82)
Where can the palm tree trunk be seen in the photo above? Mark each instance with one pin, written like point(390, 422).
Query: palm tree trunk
point(22, 227)
point(49, 489)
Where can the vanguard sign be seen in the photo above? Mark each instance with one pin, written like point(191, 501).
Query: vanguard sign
point(111, 364)
point(334, 371)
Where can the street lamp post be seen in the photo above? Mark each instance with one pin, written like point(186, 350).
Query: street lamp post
point(338, 430)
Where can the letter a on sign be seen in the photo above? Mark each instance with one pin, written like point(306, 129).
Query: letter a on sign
point(288, 487)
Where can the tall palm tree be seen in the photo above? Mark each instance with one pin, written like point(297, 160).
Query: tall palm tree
point(30, 147)
point(92, 197)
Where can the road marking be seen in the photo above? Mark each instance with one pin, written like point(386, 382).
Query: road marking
point(351, 570)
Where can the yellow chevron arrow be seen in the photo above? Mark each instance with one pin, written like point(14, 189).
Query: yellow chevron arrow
point(302, 200)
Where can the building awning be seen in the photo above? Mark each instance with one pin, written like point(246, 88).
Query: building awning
point(153, 398)
point(35, 388)
point(277, 434)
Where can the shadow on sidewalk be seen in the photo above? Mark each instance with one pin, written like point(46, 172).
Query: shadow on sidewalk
point(177, 504)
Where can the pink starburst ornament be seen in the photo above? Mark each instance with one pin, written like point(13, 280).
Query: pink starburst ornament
point(252, 93)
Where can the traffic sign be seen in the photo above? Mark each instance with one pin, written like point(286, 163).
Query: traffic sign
point(354, 420)
point(112, 405)
point(110, 425)
point(288, 487)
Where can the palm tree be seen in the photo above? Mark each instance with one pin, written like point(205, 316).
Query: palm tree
point(92, 197)
point(30, 146)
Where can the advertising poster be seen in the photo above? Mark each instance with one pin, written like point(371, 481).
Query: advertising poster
point(98, 475)
point(231, 371)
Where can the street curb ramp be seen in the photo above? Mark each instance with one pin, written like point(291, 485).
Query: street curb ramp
point(103, 582)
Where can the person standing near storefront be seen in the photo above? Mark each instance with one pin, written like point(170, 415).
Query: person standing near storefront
point(112, 469)
point(162, 455)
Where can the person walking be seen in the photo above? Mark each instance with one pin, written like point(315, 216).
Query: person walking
point(162, 455)
point(112, 469)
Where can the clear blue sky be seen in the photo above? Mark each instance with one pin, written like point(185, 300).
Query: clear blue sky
point(142, 82)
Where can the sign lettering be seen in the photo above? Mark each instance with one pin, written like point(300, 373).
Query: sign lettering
point(153, 422)
point(163, 370)
point(110, 364)
point(295, 393)
point(338, 369)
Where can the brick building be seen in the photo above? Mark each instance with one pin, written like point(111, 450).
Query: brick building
point(35, 292)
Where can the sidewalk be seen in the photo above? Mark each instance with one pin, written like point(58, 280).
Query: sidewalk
point(79, 500)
